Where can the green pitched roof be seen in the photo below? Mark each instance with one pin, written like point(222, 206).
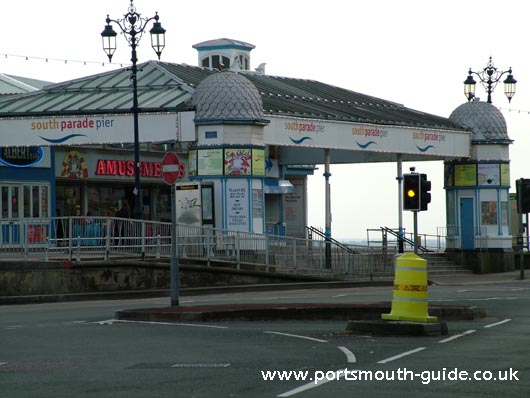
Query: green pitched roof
point(164, 86)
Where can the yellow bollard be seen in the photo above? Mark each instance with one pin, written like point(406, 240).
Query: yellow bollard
point(409, 302)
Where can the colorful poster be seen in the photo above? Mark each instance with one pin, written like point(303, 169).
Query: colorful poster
point(238, 161)
point(489, 212)
point(465, 175)
point(74, 166)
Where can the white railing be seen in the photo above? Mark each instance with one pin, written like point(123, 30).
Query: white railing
point(80, 239)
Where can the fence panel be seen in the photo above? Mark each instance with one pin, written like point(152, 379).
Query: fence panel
point(91, 238)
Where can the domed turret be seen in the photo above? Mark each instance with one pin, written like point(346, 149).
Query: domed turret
point(227, 97)
point(484, 120)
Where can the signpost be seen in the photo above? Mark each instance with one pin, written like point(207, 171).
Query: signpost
point(171, 172)
point(171, 168)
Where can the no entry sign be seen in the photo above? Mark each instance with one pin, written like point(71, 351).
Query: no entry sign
point(172, 169)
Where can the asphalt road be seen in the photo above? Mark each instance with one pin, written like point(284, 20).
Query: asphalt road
point(79, 350)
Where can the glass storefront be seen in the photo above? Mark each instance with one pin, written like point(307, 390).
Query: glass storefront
point(24, 200)
point(104, 200)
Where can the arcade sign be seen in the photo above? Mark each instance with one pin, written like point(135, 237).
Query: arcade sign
point(21, 156)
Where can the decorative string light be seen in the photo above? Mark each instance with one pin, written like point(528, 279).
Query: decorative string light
point(62, 60)
point(510, 110)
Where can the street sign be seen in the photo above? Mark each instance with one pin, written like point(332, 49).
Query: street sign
point(171, 168)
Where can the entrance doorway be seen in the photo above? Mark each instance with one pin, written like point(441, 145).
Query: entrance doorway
point(467, 224)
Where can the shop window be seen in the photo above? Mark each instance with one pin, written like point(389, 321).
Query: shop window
point(28, 201)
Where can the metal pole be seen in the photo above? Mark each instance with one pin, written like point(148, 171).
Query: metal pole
point(137, 211)
point(399, 178)
point(174, 262)
point(327, 174)
point(520, 242)
point(415, 232)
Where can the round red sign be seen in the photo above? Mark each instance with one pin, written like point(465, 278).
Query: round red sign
point(172, 169)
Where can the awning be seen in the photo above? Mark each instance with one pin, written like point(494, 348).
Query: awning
point(278, 186)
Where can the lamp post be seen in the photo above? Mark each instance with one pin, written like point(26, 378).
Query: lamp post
point(132, 26)
point(489, 77)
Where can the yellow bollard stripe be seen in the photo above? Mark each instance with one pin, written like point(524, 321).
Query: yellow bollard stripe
point(421, 268)
point(410, 288)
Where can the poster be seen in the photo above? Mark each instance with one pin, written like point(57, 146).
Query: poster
point(188, 204)
point(257, 203)
point(237, 205)
point(210, 162)
point(505, 174)
point(465, 175)
point(238, 161)
point(489, 174)
point(258, 162)
point(488, 210)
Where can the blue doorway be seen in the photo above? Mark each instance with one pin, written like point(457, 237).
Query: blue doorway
point(467, 224)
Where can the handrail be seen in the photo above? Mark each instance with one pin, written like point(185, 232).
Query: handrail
point(75, 239)
point(404, 238)
point(321, 234)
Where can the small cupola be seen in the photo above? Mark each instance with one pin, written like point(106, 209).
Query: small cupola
point(224, 54)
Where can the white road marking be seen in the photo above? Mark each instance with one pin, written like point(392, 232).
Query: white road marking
point(340, 295)
point(403, 354)
point(73, 323)
point(296, 336)
point(497, 323)
point(457, 336)
point(201, 365)
point(13, 327)
point(350, 356)
point(3, 363)
point(45, 325)
point(111, 321)
point(312, 384)
point(462, 291)
point(479, 299)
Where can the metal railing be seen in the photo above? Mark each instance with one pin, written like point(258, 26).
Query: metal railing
point(100, 238)
point(387, 238)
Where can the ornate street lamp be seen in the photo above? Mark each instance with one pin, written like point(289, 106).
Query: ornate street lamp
point(489, 77)
point(132, 26)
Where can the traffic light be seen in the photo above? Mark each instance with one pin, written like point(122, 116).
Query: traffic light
point(425, 188)
point(411, 192)
point(523, 189)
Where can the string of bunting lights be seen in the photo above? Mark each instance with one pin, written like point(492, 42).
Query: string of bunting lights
point(62, 60)
point(514, 110)
point(121, 65)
